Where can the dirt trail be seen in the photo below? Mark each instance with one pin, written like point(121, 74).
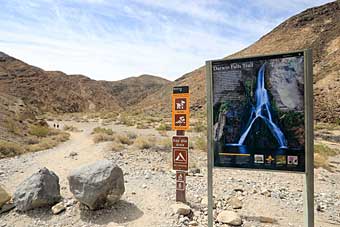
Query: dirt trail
point(150, 187)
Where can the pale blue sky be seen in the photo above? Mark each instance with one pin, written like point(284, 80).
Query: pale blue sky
point(115, 39)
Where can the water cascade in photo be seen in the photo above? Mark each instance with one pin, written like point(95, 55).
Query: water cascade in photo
point(262, 111)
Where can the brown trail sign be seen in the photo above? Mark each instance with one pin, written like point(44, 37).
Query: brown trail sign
point(180, 143)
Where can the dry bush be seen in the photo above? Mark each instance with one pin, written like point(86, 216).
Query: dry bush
point(165, 144)
point(144, 143)
point(12, 126)
point(164, 127)
point(163, 133)
point(99, 130)
point(321, 154)
point(200, 126)
point(102, 137)
point(117, 147)
point(70, 128)
point(124, 139)
point(142, 125)
point(126, 120)
point(200, 143)
point(8, 149)
point(49, 142)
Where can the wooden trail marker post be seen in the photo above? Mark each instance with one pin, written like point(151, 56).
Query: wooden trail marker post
point(180, 142)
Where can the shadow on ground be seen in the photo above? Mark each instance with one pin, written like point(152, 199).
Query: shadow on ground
point(120, 212)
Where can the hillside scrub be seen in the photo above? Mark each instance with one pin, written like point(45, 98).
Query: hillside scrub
point(106, 131)
point(321, 155)
point(9, 149)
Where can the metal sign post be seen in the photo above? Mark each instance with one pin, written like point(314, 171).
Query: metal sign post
point(230, 85)
point(180, 142)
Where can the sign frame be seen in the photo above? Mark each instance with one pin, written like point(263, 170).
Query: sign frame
point(309, 136)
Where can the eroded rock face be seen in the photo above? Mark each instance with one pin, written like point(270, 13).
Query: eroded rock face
point(97, 183)
point(40, 189)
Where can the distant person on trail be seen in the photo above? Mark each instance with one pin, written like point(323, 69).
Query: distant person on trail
point(54, 125)
point(57, 125)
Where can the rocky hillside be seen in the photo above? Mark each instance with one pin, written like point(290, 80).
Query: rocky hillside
point(317, 28)
point(54, 91)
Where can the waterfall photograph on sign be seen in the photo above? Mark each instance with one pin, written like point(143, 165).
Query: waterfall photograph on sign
point(258, 112)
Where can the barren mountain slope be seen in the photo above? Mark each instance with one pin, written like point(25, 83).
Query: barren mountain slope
point(317, 28)
point(57, 92)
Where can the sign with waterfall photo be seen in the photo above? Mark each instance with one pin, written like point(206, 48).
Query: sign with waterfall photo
point(258, 112)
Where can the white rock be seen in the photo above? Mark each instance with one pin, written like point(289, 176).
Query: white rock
point(181, 208)
point(229, 217)
point(58, 208)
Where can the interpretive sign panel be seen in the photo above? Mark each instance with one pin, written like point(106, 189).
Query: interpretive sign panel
point(258, 112)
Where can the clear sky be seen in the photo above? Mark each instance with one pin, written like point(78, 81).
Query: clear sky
point(115, 39)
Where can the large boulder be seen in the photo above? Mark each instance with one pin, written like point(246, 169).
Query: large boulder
point(39, 190)
point(97, 183)
point(4, 196)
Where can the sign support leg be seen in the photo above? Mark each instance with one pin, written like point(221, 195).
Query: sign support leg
point(180, 194)
point(309, 176)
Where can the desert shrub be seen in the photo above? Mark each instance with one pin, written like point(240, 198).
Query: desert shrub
point(70, 128)
point(141, 125)
point(325, 150)
point(117, 147)
point(8, 149)
point(200, 143)
point(49, 142)
point(126, 120)
point(143, 143)
point(163, 133)
point(100, 130)
point(165, 144)
point(102, 137)
point(12, 126)
point(164, 127)
point(124, 139)
point(321, 154)
point(32, 140)
point(39, 131)
point(110, 115)
point(131, 135)
point(199, 127)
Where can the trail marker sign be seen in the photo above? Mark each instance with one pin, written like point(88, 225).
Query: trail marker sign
point(180, 159)
point(180, 141)
point(180, 108)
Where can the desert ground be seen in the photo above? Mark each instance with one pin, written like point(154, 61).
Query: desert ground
point(262, 198)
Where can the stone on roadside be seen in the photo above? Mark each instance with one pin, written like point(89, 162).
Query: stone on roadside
point(181, 209)
point(230, 218)
point(58, 208)
point(4, 196)
point(235, 203)
point(39, 190)
point(97, 183)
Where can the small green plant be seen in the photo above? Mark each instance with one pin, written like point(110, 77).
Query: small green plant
point(39, 131)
